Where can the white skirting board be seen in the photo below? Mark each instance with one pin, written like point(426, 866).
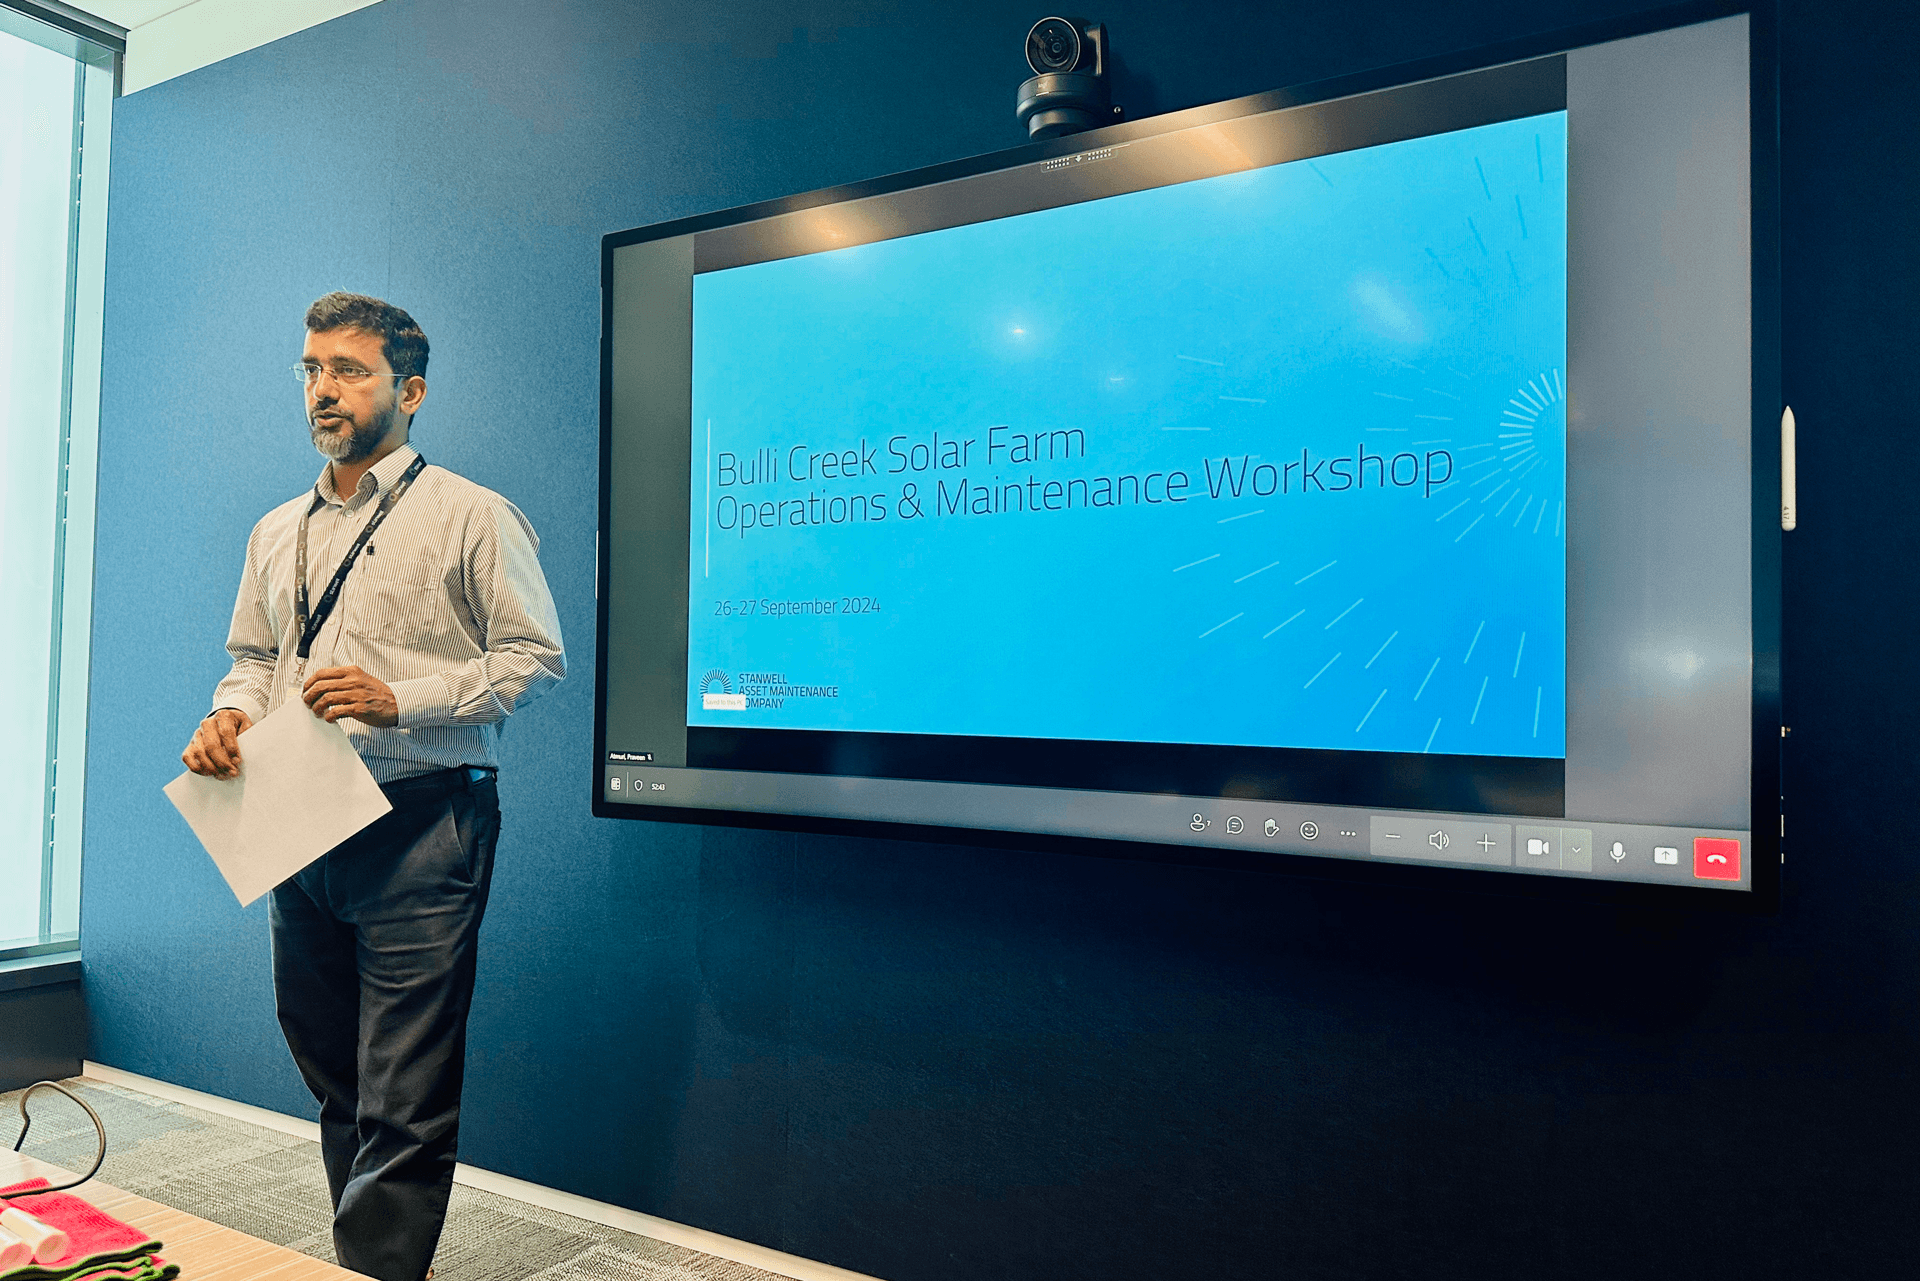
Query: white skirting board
point(613, 1216)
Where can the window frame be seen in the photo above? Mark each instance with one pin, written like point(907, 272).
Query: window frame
point(97, 52)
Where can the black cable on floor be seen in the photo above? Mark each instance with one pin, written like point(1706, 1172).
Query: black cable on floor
point(26, 1123)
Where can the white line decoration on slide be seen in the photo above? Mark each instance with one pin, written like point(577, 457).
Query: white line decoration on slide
point(1429, 676)
point(1323, 569)
point(1322, 672)
point(1370, 710)
point(1523, 438)
point(1537, 402)
point(1263, 569)
point(1296, 614)
point(1500, 478)
point(1383, 649)
point(1343, 613)
point(1501, 447)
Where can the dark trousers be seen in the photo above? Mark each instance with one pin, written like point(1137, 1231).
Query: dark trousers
point(373, 964)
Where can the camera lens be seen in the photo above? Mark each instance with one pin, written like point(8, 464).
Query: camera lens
point(1053, 45)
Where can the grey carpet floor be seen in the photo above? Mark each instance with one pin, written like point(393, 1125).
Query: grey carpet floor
point(271, 1185)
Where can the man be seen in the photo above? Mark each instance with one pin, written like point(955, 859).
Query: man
point(441, 626)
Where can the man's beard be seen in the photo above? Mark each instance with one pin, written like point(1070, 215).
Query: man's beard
point(358, 441)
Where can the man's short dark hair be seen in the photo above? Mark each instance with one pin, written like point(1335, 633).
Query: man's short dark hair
point(401, 341)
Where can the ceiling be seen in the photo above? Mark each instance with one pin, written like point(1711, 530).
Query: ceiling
point(168, 38)
point(130, 13)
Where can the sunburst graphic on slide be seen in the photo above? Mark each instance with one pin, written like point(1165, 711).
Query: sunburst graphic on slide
point(1531, 429)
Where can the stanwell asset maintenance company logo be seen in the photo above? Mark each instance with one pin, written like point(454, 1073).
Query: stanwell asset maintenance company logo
point(725, 700)
point(769, 690)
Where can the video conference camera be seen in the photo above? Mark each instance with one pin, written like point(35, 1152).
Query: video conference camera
point(1069, 90)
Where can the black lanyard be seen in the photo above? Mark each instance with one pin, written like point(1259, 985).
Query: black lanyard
point(310, 627)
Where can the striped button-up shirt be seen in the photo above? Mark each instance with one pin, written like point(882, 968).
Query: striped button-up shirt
point(446, 604)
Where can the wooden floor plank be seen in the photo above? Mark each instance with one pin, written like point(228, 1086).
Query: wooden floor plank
point(205, 1251)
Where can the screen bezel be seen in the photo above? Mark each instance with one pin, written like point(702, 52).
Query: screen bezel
point(1764, 826)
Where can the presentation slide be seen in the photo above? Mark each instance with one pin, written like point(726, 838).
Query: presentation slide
point(1274, 458)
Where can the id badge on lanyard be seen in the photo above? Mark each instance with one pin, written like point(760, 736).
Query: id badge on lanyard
point(309, 625)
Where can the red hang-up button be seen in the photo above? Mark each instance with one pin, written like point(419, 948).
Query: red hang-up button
point(1716, 858)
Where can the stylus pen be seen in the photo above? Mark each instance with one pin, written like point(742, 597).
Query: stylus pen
point(1789, 482)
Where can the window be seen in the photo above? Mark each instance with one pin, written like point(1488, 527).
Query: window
point(56, 99)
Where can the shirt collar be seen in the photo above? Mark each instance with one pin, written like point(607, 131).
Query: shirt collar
point(376, 480)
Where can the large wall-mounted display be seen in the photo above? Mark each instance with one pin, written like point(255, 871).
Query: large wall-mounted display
point(1365, 472)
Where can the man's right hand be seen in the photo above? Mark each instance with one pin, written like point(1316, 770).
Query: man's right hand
point(215, 749)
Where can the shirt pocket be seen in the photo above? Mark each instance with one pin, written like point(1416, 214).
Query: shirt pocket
point(394, 601)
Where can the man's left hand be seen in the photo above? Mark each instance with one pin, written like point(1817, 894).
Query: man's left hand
point(334, 692)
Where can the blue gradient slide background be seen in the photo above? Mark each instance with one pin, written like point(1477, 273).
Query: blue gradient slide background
point(1406, 298)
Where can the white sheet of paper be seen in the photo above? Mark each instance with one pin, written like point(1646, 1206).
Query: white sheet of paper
point(302, 790)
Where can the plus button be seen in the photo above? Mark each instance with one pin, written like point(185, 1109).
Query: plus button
point(1486, 842)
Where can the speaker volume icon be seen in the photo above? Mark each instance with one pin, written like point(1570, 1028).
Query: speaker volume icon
point(1438, 840)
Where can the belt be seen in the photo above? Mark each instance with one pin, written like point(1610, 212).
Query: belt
point(442, 780)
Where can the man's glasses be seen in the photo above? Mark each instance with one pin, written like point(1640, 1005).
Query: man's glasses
point(346, 376)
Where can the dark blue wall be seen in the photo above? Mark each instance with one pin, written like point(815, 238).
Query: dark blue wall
point(927, 1062)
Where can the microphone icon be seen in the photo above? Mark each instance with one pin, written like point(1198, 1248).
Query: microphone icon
point(1618, 851)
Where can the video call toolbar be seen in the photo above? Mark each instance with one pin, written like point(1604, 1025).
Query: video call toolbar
point(1712, 858)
